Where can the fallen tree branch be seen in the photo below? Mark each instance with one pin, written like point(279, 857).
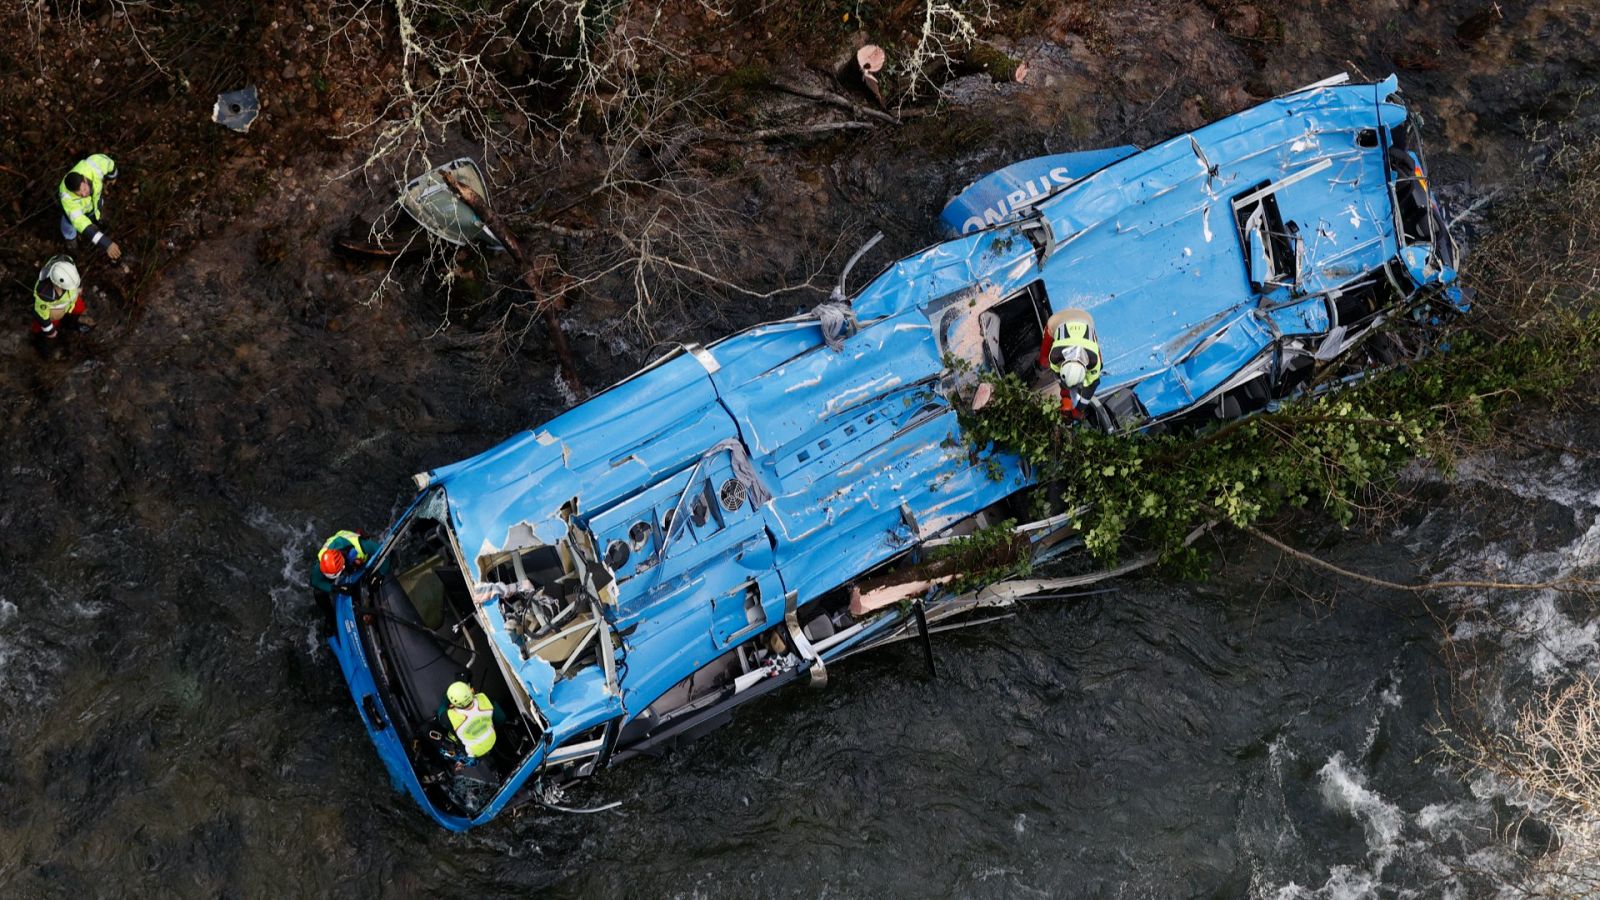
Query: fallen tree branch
point(566, 231)
point(1020, 588)
point(531, 276)
point(736, 288)
point(822, 96)
point(633, 245)
point(770, 134)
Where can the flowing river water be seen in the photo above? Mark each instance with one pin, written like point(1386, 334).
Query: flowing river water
point(1266, 732)
point(173, 728)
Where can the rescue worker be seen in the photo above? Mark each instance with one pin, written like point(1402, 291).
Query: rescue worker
point(81, 192)
point(471, 718)
point(346, 550)
point(58, 299)
point(1073, 354)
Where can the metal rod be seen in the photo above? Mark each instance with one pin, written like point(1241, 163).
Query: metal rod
point(582, 646)
point(927, 645)
point(557, 636)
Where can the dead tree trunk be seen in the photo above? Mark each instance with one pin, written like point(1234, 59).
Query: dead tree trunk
point(531, 276)
point(994, 62)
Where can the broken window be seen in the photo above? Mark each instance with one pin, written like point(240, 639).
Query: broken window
point(1269, 246)
point(1013, 330)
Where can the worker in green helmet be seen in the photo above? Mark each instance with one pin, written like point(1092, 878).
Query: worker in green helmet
point(81, 192)
point(471, 718)
point(1073, 353)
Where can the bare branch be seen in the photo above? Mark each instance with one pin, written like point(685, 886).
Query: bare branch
point(790, 86)
point(773, 134)
point(1564, 584)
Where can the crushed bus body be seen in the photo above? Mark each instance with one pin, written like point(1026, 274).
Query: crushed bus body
point(741, 516)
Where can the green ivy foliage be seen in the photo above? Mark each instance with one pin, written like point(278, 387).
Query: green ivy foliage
point(1338, 453)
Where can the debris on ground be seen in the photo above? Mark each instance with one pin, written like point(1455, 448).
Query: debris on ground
point(237, 109)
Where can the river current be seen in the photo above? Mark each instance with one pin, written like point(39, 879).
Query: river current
point(1267, 732)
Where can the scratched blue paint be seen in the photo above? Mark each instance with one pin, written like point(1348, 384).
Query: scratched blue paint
point(1002, 195)
point(860, 448)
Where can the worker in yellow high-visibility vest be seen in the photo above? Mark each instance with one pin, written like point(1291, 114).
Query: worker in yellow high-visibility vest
point(346, 551)
point(471, 717)
point(81, 192)
point(58, 299)
point(1073, 353)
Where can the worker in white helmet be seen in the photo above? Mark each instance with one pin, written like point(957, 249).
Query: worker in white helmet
point(58, 299)
point(1074, 355)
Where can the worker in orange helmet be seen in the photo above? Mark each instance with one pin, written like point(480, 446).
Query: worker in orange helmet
point(344, 553)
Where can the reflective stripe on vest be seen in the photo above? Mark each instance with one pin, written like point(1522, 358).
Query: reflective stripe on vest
point(475, 726)
point(1077, 336)
point(84, 211)
point(350, 537)
point(63, 305)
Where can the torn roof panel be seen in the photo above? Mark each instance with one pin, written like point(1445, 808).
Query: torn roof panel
point(1149, 244)
point(859, 448)
point(595, 452)
point(794, 398)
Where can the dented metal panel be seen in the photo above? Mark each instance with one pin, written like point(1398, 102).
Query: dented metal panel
point(592, 454)
point(701, 503)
